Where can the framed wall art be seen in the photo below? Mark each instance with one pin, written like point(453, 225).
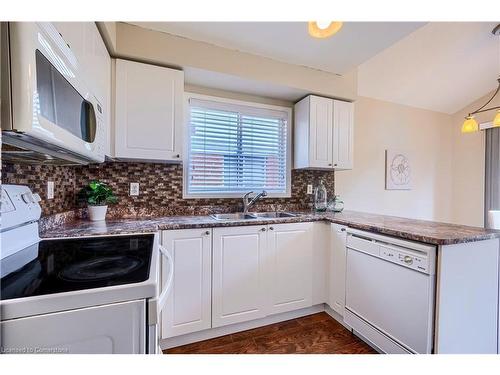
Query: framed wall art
point(398, 172)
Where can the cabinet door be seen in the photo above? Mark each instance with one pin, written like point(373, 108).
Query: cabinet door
point(239, 285)
point(320, 132)
point(107, 329)
point(337, 268)
point(188, 306)
point(343, 134)
point(289, 264)
point(148, 117)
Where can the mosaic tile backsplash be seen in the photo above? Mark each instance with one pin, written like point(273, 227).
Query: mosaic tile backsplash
point(36, 177)
point(160, 189)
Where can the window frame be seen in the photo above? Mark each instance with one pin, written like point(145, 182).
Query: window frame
point(226, 101)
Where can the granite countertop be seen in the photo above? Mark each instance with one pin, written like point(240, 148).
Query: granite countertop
point(417, 230)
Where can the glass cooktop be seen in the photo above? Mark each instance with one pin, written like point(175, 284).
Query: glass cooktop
point(65, 265)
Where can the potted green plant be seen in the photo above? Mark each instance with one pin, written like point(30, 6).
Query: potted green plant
point(98, 195)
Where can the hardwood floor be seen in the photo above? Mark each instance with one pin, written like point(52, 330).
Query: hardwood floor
point(315, 334)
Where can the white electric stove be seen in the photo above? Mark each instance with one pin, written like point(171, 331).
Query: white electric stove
point(98, 294)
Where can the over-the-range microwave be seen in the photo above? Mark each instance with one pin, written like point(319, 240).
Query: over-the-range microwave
point(48, 111)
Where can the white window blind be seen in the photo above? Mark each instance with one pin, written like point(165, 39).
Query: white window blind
point(233, 149)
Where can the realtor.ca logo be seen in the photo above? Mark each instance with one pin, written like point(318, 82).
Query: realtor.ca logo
point(33, 350)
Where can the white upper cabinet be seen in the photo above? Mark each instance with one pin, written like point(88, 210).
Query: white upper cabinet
point(313, 130)
point(188, 307)
point(289, 248)
point(343, 134)
point(239, 274)
point(337, 267)
point(323, 133)
point(148, 112)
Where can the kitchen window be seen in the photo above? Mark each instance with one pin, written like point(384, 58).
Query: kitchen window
point(234, 147)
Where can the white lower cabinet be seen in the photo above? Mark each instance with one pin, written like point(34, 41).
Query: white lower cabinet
point(337, 268)
point(239, 274)
point(188, 308)
point(289, 267)
point(232, 275)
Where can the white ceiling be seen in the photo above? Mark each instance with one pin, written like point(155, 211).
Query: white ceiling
point(442, 67)
point(289, 42)
point(437, 66)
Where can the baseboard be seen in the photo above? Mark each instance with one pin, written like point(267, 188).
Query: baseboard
point(233, 328)
point(335, 315)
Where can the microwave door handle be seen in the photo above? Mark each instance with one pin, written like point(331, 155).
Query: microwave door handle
point(162, 299)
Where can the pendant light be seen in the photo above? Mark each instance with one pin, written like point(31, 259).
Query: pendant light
point(470, 124)
point(496, 121)
point(321, 29)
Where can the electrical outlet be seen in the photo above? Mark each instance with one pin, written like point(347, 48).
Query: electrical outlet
point(309, 189)
point(50, 189)
point(134, 188)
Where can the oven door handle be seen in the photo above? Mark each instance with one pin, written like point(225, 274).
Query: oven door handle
point(162, 299)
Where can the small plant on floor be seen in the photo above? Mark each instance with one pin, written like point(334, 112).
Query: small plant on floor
point(98, 195)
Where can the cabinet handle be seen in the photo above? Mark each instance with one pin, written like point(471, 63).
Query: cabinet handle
point(263, 229)
point(177, 156)
point(342, 229)
point(329, 164)
point(271, 228)
point(207, 233)
point(335, 165)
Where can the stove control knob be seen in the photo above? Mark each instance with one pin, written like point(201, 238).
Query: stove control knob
point(408, 259)
point(27, 198)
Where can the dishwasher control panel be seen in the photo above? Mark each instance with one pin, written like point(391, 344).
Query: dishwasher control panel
point(419, 257)
point(419, 263)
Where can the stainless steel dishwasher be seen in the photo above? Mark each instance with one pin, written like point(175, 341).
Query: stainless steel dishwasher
point(390, 291)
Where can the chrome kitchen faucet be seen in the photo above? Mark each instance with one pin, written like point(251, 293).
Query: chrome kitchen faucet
point(248, 203)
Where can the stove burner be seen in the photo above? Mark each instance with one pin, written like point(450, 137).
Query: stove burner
point(101, 269)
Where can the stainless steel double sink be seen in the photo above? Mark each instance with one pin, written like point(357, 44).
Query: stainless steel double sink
point(252, 215)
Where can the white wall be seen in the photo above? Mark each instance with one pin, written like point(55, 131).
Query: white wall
point(425, 135)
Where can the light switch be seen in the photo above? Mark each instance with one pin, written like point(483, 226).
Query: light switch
point(309, 189)
point(134, 188)
point(50, 189)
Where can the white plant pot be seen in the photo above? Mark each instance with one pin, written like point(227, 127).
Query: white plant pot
point(97, 213)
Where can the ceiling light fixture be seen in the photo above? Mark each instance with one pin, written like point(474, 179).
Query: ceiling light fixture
point(321, 29)
point(470, 124)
